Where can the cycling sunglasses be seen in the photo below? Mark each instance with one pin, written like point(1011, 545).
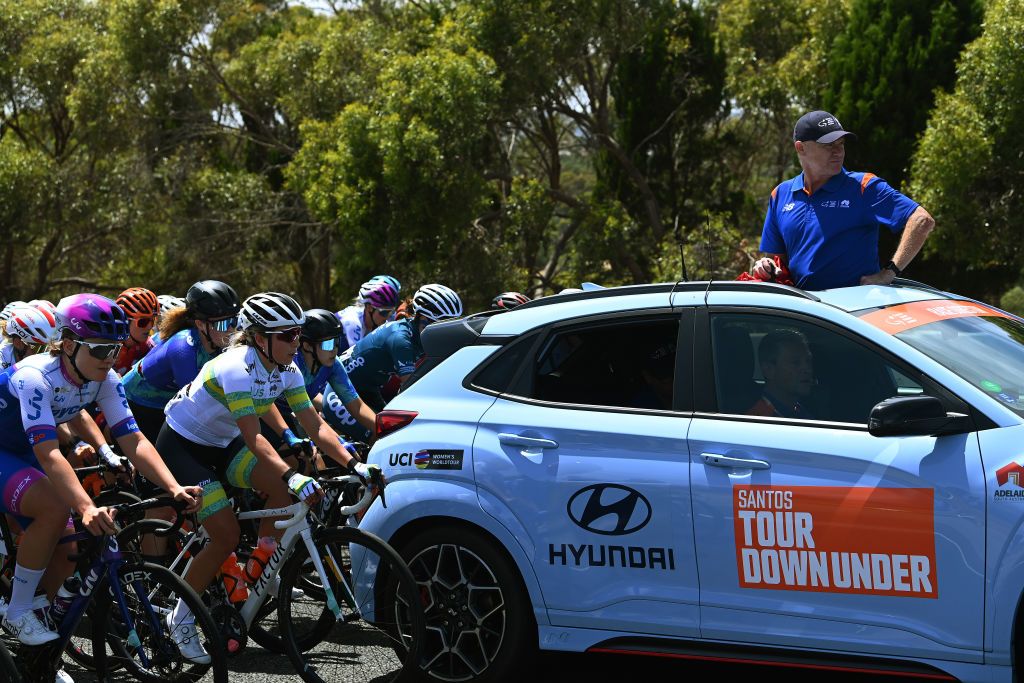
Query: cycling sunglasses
point(385, 312)
point(328, 344)
point(144, 322)
point(101, 351)
point(287, 336)
point(224, 324)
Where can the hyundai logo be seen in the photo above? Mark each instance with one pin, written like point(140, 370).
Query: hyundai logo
point(609, 509)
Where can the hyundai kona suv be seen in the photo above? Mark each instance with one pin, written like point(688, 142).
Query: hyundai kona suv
point(716, 470)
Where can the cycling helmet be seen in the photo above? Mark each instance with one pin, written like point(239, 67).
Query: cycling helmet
point(437, 302)
point(44, 305)
point(379, 294)
point(138, 302)
point(321, 324)
point(273, 310)
point(509, 300)
point(168, 303)
point(5, 314)
point(243, 322)
point(34, 326)
point(93, 315)
point(211, 299)
point(365, 288)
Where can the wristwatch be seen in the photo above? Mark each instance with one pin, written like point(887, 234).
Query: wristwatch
point(891, 265)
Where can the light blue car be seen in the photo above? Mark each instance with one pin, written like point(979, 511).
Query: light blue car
point(717, 470)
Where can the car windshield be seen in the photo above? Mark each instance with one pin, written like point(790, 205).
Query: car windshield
point(983, 345)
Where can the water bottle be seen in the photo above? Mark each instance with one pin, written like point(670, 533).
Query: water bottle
point(65, 595)
point(259, 558)
point(234, 581)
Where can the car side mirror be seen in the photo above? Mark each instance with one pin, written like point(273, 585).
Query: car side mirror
point(915, 416)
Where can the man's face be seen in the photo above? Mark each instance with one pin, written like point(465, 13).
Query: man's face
point(792, 374)
point(822, 160)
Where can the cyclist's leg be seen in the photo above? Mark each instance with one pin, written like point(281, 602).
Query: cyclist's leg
point(245, 471)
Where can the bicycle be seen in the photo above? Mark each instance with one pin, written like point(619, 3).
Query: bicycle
point(315, 559)
point(144, 594)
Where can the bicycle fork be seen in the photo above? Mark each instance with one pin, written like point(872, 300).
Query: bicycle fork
point(336, 572)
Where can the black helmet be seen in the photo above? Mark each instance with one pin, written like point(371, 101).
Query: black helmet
point(321, 325)
point(211, 299)
point(509, 300)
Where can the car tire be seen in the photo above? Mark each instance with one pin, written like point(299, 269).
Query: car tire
point(474, 602)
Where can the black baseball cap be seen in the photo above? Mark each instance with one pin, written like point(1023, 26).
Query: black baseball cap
point(819, 126)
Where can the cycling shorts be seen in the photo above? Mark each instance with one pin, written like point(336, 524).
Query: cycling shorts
point(19, 472)
point(211, 467)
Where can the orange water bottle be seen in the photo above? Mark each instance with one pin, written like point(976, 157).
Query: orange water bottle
point(234, 580)
point(259, 558)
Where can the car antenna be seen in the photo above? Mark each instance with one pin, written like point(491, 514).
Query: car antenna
point(682, 258)
point(711, 256)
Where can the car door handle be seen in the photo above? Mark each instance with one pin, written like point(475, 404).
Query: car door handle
point(716, 460)
point(526, 441)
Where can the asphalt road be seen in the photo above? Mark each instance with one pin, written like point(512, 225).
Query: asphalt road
point(256, 665)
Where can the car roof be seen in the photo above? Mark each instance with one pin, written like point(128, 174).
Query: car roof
point(597, 300)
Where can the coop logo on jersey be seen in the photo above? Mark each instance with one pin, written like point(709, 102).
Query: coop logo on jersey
point(1012, 477)
point(836, 539)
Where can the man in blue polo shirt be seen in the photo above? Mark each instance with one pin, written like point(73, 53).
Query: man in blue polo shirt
point(823, 224)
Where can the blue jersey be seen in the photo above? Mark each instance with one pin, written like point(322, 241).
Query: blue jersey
point(831, 237)
point(334, 375)
point(155, 379)
point(392, 349)
point(37, 394)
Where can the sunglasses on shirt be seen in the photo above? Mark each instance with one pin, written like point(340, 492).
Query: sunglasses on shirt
point(101, 351)
point(287, 336)
point(224, 324)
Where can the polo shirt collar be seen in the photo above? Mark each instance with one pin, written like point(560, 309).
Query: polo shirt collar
point(831, 185)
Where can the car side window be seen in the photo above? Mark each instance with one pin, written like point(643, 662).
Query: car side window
point(774, 366)
point(497, 373)
point(628, 364)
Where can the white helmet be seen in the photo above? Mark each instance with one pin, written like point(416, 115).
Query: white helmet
point(437, 302)
point(34, 326)
point(243, 321)
point(5, 314)
point(168, 302)
point(272, 310)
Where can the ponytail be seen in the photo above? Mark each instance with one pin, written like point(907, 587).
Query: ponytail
point(173, 322)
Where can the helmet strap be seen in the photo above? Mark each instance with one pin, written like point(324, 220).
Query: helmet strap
point(269, 353)
point(315, 365)
point(74, 365)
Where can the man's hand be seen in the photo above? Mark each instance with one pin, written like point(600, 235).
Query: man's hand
point(764, 269)
point(882, 277)
point(192, 496)
point(99, 521)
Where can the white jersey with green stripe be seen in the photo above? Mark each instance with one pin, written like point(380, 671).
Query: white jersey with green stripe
point(229, 387)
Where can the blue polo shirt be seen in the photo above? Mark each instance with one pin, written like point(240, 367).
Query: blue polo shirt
point(831, 237)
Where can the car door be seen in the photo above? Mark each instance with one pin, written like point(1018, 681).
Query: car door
point(812, 533)
point(587, 449)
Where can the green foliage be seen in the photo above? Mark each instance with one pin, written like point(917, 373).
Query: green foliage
point(968, 166)
point(1013, 301)
point(884, 70)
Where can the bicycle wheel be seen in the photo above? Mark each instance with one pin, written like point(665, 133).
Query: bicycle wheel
point(147, 650)
point(380, 632)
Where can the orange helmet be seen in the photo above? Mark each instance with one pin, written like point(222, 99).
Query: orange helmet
point(138, 302)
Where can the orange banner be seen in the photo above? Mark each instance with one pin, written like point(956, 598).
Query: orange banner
point(896, 319)
point(834, 539)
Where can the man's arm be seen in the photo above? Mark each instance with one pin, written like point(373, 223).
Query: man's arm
point(919, 226)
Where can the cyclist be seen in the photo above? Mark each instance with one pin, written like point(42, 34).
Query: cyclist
point(142, 309)
point(395, 349)
point(192, 336)
point(25, 324)
point(167, 303)
point(376, 304)
point(212, 434)
point(317, 361)
point(506, 301)
point(38, 485)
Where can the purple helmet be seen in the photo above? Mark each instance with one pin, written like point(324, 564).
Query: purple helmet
point(380, 294)
point(93, 315)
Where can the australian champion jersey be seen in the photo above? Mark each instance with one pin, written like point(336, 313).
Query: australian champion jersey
point(37, 394)
point(229, 387)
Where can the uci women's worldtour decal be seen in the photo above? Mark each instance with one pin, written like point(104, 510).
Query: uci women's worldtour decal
point(836, 539)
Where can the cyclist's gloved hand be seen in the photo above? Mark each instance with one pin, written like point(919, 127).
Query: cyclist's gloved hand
point(362, 470)
point(292, 441)
point(349, 446)
point(302, 487)
point(110, 459)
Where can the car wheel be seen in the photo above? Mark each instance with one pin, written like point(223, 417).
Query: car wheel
point(479, 621)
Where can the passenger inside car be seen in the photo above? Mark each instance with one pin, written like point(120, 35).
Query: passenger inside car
point(788, 370)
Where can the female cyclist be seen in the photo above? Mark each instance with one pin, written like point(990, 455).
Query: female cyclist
point(142, 309)
point(212, 433)
point(26, 320)
point(378, 298)
point(39, 487)
point(191, 336)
